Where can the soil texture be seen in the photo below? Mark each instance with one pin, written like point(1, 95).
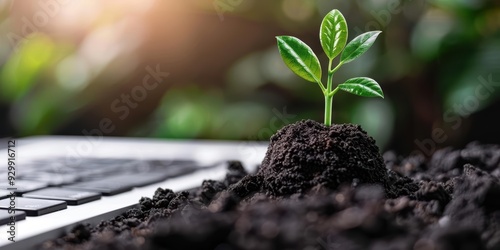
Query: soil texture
point(320, 188)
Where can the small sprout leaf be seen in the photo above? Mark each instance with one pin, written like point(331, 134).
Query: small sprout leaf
point(362, 86)
point(333, 33)
point(333, 38)
point(299, 58)
point(358, 46)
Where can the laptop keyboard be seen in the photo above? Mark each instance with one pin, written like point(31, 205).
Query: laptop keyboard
point(53, 196)
point(49, 186)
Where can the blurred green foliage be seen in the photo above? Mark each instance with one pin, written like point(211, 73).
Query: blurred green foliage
point(63, 76)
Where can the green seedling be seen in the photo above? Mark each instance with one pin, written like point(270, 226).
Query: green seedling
point(300, 58)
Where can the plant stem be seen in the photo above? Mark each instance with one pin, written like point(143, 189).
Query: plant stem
point(330, 92)
point(337, 67)
point(328, 110)
point(328, 97)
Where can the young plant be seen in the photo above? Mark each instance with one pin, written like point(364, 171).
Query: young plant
point(333, 37)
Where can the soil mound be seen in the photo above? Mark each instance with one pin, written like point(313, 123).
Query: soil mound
point(450, 201)
point(308, 154)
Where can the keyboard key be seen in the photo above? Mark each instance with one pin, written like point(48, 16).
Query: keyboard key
point(34, 207)
point(24, 186)
point(172, 170)
point(96, 174)
point(72, 197)
point(52, 179)
point(125, 182)
point(143, 179)
point(5, 216)
point(107, 186)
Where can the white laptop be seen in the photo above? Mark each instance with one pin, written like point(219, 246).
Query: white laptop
point(57, 182)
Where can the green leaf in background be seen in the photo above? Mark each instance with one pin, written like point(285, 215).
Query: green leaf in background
point(299, 58)
point(333, 33)
point(358, 46)
point(362, 86)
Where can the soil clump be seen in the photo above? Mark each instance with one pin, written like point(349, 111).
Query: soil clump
point(320, 188)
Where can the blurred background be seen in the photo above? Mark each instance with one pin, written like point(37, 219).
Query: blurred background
point(210, 69)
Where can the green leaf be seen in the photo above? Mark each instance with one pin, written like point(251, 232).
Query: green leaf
point(333, 33)
point(299, 58)
point(358, 46)
point(362, 86)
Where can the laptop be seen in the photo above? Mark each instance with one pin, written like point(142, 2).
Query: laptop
point(49, 184)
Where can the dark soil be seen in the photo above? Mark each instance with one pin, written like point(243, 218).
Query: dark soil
point(321, 188)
